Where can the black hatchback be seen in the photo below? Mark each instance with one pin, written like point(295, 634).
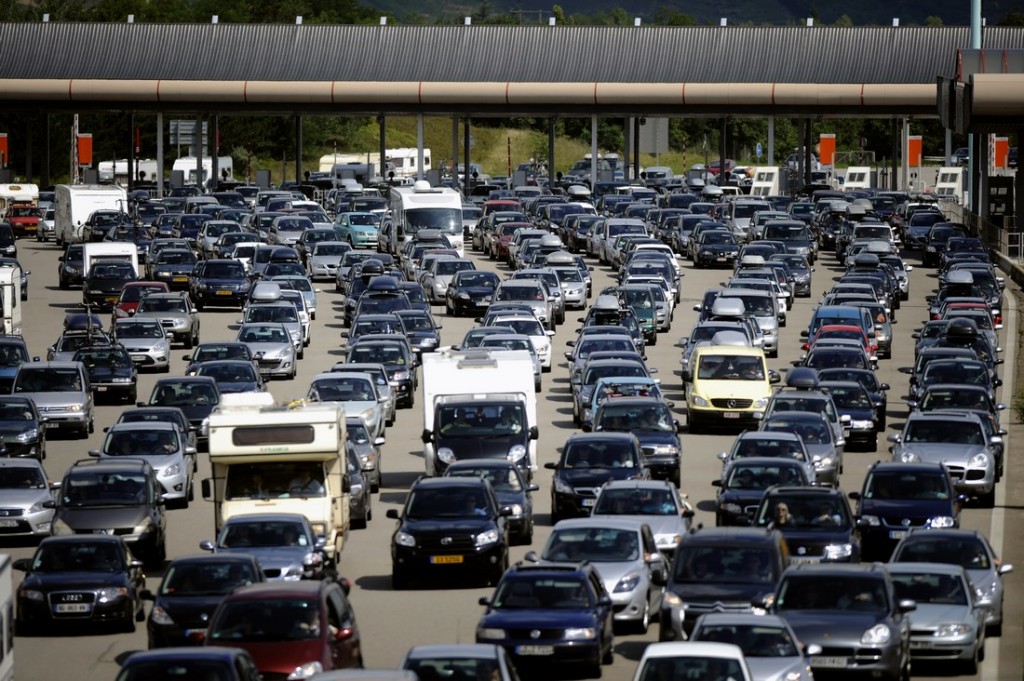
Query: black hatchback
point(450, 527)
point(588, 461)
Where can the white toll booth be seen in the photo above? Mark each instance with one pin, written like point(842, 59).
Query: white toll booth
point(858, 177)
point(258, 450)
point(767, 181)
point(951, 182)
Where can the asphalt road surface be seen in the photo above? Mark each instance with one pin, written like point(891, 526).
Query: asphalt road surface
point(390, 622)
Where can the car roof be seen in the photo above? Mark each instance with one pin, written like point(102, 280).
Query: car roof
point(604, 522)
point(141, 425)
point(915, 568)
point(480, 650)
point(449, 482)
point(300, 589)
point(692, 649)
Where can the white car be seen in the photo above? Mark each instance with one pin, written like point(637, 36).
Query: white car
point(532, 327)
point(692, 660)
point(357, 392)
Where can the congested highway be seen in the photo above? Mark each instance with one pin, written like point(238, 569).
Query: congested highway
point(389, 621)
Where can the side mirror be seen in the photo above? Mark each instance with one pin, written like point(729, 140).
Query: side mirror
point(906, 605)
point(534, 433)
point(426, 436)
point(207, 545)
point(551, 466)
point(392, 513)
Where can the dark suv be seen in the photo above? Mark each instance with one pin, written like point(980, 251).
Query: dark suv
point(554, 612)
point(852, 615)
point(720, 569)
point(120, 497)
point(588, 461)
point(899, 496)
point(816, 522)
point(449, 526)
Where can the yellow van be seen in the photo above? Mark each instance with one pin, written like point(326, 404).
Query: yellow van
point(728, 387)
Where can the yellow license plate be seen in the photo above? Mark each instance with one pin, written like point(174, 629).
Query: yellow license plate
point(224, 293)
point(445, 560)
point(181, 279)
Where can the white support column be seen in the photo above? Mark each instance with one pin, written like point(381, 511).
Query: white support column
point(593, 151)
point(160, 154)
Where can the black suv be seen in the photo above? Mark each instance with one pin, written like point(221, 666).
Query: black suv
point(851, 613)
point(104, 281)
point(449, 526)
point(112, 373)
point(553, 612)
point(588, 461)
point(120, 497)
point(221, 283)
point(720, 569)
point(816, 522)
point(899, 496)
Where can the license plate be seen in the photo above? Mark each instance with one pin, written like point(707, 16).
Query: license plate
point(829, 662)
point(72, 607)
point(112, 299)
point(101, 388)
point(920, 644)
point(52, 424)
point(588, 502)
point(8, 523)
point(224, 293)
point(720, 259)
point(180, 280)
point(445, 560)
point(138, 358)
point(535, 650)
point(731, 415)
point(897, 534)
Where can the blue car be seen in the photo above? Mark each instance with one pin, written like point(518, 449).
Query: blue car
point(358, 229)
point(553, 612)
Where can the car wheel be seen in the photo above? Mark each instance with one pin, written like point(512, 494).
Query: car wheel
point(399, 582)
point(987, 500)
point(187, 342)
point(608, 656)
point(359, 523)
point(645, 621)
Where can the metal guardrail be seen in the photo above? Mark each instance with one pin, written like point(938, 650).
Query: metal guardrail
point(997, 237)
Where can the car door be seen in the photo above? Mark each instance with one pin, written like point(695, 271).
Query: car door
point(603, 606)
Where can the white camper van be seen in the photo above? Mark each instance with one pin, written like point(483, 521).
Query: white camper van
point(75, 203)
point(422, 207)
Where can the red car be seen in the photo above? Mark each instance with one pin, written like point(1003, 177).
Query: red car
point(132, 293)
point(842, 332)
point(286, 626)
point(24, 219)
point(503, 237)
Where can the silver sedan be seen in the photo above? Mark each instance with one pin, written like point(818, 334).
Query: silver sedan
point(272, 347)
point(769, 645)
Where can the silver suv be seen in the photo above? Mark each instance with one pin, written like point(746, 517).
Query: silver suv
point(62, 393)
point(176, 313)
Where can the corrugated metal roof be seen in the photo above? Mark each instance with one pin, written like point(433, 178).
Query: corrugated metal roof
point(647, 54)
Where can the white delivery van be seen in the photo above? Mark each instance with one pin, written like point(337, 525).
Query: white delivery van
point(479, 403)
point(106, 250)
point(73, 204)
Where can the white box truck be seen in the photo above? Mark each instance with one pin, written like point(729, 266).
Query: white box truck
point(258, 450)
point(73, 204)
point(479, 403)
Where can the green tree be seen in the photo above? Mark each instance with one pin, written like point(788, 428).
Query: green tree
point(844, 21)
point(933, 20)
point(1012, 18)
point(666, 16)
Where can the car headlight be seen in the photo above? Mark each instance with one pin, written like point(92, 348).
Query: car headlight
point(877, 635)
point(667, 540)
point(144, 527)
point(486, 538)
point(562, 487)
point(761, 403)
point(824, 462)
point(862, 425)
point(36, 507)
point(111, 593)
point(731, 507)
point(405, 539)
point(580, 633)
point(516, 452)
point(979, 460)
point(32, 595)
point(838, 551)
point(699, 401)
point(446, 455)
point(368, 461)
point(28, 435)
point(306, 670)
point(627, 583)
point(672, 599)
point(204, 427)
point(490, 634)
point(909, 457)
point(941, 521)
point(666, 450)
point(402, 375)
point(517, 511)
point(75, 407)
point(171, 471)
point(952, 630)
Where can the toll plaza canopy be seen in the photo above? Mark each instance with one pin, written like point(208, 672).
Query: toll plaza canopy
point(491, 70)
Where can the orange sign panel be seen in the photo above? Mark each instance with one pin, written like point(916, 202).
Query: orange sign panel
point(827, 150)
point(84, 149)
point(1002, 152)
point(914, 150)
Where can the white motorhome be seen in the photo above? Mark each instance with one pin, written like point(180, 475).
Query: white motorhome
point(75, 203)
point(424, 207)
point(766, 181)
point(858, 177)
point(17, 193)
point(187, 165)
point(10, 300)
point(258, 450)
point(105, 250)
point(490, 390)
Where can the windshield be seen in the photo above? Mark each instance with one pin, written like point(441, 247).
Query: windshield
point(633, 418)
point(476, 422)
point(811, 432)
point(161, 304)
point(139, 442)
point(967, 552)
point(593, 544)
point(329, 249)
point(539, 592)
point(168, 257)
point(224, 270)
point(761, 477)
point(503, 479)
point(754, 640)
point(731, 367)
point(906, 485)
point(78, 557)
point(448, 220)
point(262, 534)
point(133, 294)
point(723, 564)
point(273, 313)
point(691, 667)
point(583, 455)
point(47, 380)
point(930, 588)
point(343, 390)
point(105, 489)
point(643, 501)
point(812, 592)
point(270, 620)
point(803, 511)
point(944, 432)
point(206, 579)
point(376, 354)
point(450, 502)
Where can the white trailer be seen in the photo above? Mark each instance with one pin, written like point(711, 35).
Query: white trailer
point(858, 177)
point(478, 375)
point(10, 300)
point(75, 203)
point(257, 449)
point(103, 250)
point(17, 193)
point(767, 181)
point(424, 207)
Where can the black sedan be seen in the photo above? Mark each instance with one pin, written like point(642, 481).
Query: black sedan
point(112, 373)
point(191, 590)
point(81, 579)
point(588, 461)
point(715, 248)
point(510, 487)
point(470, 292)
point(173, 267)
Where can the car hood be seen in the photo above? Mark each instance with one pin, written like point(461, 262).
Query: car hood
point(237, 387)
point(906, 508)
point(222, 281)
point(481, 448)
point(325, 259)
point(85, 518)
point(175, 268)
point(725, 592)
point(102, 371)
point(774, 668)
point(476, 291)
point(55, 399)
point(831, 627)
point(277, 657)
point(269, 348)
point(23, 498)
point(73, 580)
point(595, 477)
point(934, 614)
point(653, 438)
point(10, 429)
point(474, 525)
point(138, 344)
point(272, 557)
point(939, 452)
point(162, 315)
point(802, 536)
point(191, 612)
point(612, 572)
